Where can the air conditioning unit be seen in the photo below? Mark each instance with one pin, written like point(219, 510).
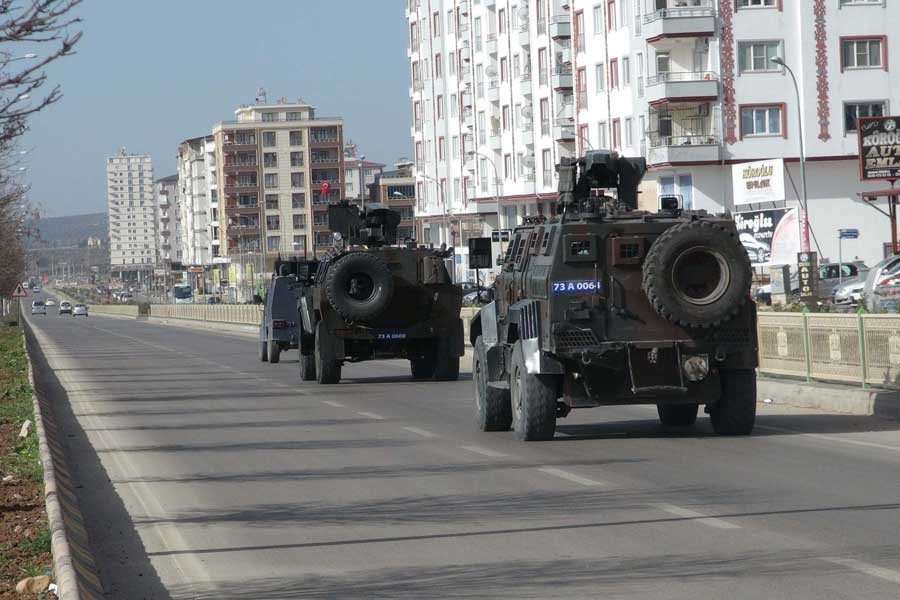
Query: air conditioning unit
point(527, 111)
point(703, 109)
point(528, 161)
point(491, 71)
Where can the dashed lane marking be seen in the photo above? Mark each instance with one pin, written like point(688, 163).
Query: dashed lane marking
point(333, 403)
point(570, 476)
point(866, 568)
point(371, 415)
point(484, 451)
point(422, 432)
point(692, 514)
point(829, 438)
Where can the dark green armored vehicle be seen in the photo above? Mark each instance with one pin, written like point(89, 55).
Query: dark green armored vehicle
point(605, 304)
point(371, 298)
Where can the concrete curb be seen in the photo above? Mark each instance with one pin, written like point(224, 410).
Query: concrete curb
point(75, 572)
point(63, 569)
point(830, 397)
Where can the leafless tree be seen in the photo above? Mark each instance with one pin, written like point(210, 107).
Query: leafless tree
point(33, 34)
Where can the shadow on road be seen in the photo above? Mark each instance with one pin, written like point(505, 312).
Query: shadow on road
point(124, 567)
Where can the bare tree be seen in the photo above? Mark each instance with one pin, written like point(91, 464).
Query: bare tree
point(33, 34)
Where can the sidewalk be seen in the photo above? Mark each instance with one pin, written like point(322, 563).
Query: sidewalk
point(829, 397)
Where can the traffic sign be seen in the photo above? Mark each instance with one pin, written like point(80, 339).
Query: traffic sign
point(848, 234)
point(19, 292)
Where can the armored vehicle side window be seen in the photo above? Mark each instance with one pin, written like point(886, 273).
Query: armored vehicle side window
point(525, 243)
point(547, 242)
point(533, 247)
point(580, 248)
point(510, 251)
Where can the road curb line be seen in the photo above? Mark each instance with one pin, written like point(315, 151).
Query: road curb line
point(74, 572)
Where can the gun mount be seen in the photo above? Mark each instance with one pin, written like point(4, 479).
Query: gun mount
point(599, 170)
point(377, 226)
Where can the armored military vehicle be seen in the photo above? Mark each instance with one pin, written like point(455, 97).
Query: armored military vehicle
point(374, 298)
point(606, 304)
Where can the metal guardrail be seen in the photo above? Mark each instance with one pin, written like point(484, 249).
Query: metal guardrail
point(237, 314)
point(849, 348)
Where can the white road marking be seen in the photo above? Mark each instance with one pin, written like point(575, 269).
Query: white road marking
point(570, 476)
point(562, 434)
point(692, 514)
point(866, 568)
point(422, 432)
point(830, 438)
point(333, 403)
point(483, 451)
point(371, 415)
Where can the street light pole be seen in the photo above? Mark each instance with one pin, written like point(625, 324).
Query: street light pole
point(804, 218)
point(362, 183)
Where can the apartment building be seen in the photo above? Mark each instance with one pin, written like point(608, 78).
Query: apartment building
point(169, 230)
point(271, 164)
point(132, 214)
point(501, 89)
point(194, 205)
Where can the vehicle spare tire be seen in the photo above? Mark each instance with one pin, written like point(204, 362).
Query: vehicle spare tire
point(359, 286)
point(697, 274)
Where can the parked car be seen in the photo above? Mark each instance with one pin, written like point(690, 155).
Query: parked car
point(879, 283)
point(830, 276)
point(278, 329)
point(849, 294)
point(79, 309)
point(65, 307)
point(38, 308)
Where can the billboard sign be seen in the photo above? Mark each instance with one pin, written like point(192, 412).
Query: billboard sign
point(759, 181)
point(480, 253)
point(879, 148)
point(756, 230)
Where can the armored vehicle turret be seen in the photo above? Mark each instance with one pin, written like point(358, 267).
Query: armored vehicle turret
point(371, 297)
point(606, 304)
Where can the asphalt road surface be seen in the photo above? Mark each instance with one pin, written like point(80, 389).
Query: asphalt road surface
point(207, 474)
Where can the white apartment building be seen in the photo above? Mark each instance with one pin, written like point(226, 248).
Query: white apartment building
point(169, 229)
point(194, 201)
point(501, 89)
point(132, 214)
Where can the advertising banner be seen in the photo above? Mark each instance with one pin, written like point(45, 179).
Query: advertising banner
point(760, 181)
point(770, 237)
point(879, 148)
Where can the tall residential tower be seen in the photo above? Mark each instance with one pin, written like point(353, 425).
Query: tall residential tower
point(132, 215)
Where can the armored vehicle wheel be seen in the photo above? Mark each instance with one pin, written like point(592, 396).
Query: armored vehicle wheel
point(274, 352)
point(423, 368)
point(307, 367)
point(328, 366)
point(263, 352)
point(494, 411)
point(735, 413)
point(359, 286)
point(677, 415)
point(446, 367)
point(697, 274)
point(533, 399)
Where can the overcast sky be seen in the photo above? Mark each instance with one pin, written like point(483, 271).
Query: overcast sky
point(149, 74)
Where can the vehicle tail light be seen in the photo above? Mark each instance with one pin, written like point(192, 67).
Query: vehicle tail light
point(890, 280)
point(280, 324)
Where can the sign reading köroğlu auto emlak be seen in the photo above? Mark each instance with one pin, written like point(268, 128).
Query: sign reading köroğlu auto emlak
point(879, 148)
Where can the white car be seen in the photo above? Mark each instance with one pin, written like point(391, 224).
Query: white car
point(65, 307)
point(38, 308)
point(758, 252)
point(850, 293)
point(50, 302)
point(79, 309)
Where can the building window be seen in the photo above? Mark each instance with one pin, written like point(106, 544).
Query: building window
point(454, 146)
point(629, 135)
point(437, 65)
point(436, 24)
point(547, 167)
point(756, 57)
point(299, 221)
point(755, 3)
point(626, 70)
point(269, 139)
point(863, 53)
point(270, 159)
point(298, 179)
point(439, 101)
point(270, 180)
point(602, 138)
point(855, 110)
point(762, 120)
point(616, 134)
point(273, 243)
point(600, 77)
point(614, 74)
point(501, 20)
point(442, 148)
point(505, 114)
point(598, 19)
point(296, 159)
point(545, 116)
point(273, 222)
point(298, 200)
point(507, 166)
point(271, 201)
point(296, 138)
point(852, 2)
point(504, 69)
point(611, 14)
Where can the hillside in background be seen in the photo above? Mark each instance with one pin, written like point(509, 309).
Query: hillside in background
point(71, 231)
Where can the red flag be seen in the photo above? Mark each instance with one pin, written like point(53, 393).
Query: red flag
point(325, 187)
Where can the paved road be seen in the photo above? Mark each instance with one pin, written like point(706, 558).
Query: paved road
point(207, 474)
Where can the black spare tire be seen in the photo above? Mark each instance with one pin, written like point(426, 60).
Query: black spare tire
point(697, 274)
point(359, 286)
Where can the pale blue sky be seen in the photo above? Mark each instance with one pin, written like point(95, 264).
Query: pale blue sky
point(151, 73)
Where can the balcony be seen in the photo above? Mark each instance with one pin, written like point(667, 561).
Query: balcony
point(231, 167)
point(567, 108)
point(527, 135)
point(489, 3)
point(668, 150)
point(561, 27)
point(564, 132)
point(491, 44)
point(493, 91)
point(325, 161)
point(561, 77)
point(564, 51)
point(466, 99)
point(679, 22)
point(525, 84)
point(495, 140)
point(239, 231)
point(524, 34)
point(688, 86)
point(323, 140)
